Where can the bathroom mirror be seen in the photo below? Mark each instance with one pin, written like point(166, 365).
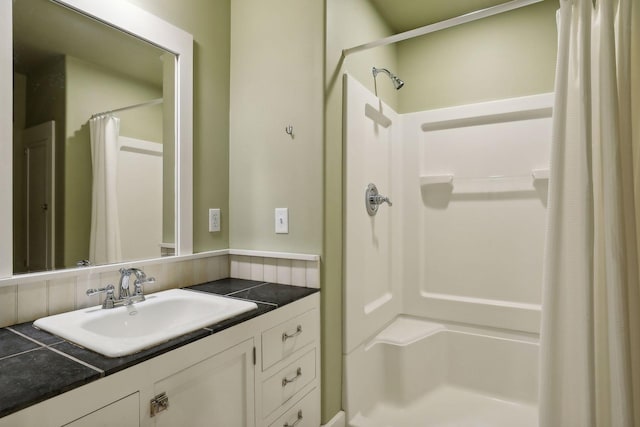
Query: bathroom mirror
point(66, 62)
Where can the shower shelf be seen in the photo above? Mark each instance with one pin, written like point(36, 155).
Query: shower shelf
point(491, 184)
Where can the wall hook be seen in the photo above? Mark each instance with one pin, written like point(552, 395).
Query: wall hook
point(289, 130)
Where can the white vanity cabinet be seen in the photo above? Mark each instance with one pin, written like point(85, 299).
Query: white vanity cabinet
point(263, 372)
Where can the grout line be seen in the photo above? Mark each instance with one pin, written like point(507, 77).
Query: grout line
point(82, 362)
point(252, 300)
point(31, 339)
point(56, 351)
point(231, 295)
point(247, 289)
point(18, 354)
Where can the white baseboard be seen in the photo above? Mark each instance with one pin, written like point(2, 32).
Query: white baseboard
point(337, 421)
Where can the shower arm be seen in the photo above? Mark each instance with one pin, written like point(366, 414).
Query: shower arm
point(384, 70)
point(397, 83)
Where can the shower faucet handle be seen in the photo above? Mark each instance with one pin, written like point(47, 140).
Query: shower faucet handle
point(380, 199)
point(373, 199)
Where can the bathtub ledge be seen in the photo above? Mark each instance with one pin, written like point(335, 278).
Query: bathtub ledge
point(404, 331)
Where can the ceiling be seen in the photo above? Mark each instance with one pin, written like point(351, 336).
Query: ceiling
point(404, 15)
point(44, 30)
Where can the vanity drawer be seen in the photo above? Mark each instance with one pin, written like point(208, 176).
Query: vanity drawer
point(283, 385)
point(284, 339)
point(305, 413)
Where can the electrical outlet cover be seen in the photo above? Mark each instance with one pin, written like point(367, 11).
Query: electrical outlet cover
point(214, 220)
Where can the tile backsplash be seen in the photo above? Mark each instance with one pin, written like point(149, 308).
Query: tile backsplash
point(284, 271)
point(32, 299)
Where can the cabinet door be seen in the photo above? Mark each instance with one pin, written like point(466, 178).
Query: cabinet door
point(218, 391)
point(122, 413)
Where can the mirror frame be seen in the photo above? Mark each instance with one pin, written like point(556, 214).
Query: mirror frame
point(139, 23)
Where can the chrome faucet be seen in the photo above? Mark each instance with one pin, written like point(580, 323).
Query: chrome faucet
point(125, 297)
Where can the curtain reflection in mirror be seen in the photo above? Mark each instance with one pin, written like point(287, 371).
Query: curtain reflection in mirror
point(105, 228)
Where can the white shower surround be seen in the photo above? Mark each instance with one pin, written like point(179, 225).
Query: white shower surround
point(466, 254)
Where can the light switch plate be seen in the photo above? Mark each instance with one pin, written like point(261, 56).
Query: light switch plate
point(282, 220)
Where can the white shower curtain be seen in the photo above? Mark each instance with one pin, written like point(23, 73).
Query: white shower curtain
point(590, 336)
point(105, 228)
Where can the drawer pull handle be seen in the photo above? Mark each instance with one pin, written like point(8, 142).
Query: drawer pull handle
point(286, 380)
point(295, 422)
point(286, 336)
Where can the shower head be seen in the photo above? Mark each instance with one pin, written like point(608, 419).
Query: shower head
point(397, 83)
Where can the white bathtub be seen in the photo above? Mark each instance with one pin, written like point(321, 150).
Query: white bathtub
point(417, 373)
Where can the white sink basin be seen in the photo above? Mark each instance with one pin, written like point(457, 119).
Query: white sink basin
point(126, 330)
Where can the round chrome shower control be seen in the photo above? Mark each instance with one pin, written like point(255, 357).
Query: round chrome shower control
point(373, 199)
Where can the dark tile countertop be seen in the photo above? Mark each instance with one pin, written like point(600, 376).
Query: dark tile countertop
point(36, 365)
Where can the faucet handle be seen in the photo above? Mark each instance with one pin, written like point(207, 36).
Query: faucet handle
point(109, 301)
point(107, 289)
point(138, 289)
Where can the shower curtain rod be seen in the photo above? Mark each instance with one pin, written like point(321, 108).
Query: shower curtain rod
point(130, 107)
point(421, 31)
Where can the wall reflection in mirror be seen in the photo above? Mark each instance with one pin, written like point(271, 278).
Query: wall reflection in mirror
point(93, 163)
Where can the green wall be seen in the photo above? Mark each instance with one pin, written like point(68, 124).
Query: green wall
point(508, 55)
point(209, 23)
point(277, 52)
